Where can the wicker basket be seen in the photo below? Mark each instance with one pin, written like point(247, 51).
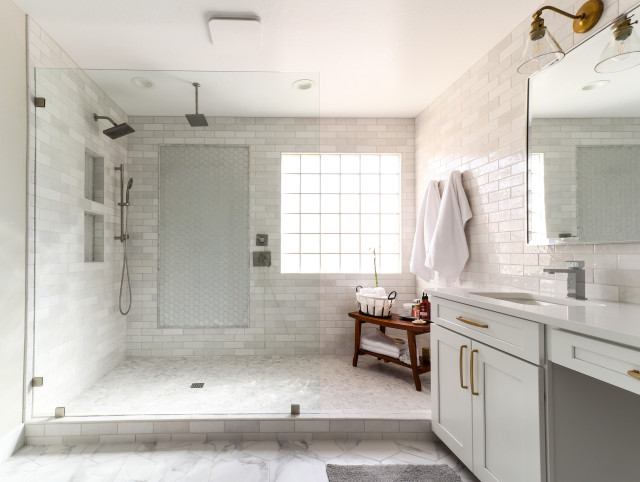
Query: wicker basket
point(378, 306)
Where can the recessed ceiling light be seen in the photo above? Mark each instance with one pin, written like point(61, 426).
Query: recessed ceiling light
point(595, 85)
point(142, 83)
point(303, 84)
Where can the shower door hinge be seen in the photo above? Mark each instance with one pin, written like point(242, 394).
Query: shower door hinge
point(37, 381)
point(40, 102)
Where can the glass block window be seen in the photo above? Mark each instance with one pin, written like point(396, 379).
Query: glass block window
point(337, 208)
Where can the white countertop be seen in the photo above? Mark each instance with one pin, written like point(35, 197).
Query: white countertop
point(616, 322)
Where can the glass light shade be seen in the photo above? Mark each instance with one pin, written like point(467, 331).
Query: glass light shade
point(541, 53)
point(619, 55)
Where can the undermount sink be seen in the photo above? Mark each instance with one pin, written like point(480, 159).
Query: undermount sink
point(536, 300)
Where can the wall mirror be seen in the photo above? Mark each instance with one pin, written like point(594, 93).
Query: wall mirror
point(583, 149)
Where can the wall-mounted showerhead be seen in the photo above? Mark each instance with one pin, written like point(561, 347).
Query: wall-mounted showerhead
point(118, 130)
point(197, 120)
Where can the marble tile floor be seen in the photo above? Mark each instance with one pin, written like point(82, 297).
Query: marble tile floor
point(220, 461)
point(327, 385)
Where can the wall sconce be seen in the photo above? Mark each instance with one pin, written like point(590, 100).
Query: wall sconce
point(541, 49)
point(623, 49)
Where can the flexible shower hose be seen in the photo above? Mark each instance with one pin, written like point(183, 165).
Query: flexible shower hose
point(125, 268)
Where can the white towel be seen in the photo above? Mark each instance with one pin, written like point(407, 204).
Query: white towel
point(448, 252)
point(380, 351)
point(424, 231)
point(379, 344)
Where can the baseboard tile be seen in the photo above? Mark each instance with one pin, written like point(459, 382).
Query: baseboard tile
point(11, 442)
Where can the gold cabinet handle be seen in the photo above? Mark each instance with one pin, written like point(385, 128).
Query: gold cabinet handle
point(473, 392)
point(634, 374)
point(474, 323)
point(462, 385)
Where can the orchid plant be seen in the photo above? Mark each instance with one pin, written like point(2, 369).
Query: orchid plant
point(375, 270)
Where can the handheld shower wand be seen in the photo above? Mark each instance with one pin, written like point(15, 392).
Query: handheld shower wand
point(129, 184)
point(124, 236)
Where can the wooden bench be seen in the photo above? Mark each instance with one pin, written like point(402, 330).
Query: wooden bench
point(393, 322)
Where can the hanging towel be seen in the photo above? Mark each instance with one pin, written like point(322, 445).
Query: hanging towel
point(448, 252)
point(424, 231)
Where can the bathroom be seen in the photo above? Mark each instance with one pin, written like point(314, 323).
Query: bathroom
point(276, 335)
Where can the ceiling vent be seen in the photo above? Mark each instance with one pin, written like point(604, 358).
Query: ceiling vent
point(236, 33)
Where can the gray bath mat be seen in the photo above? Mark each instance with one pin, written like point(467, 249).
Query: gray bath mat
point(391, 473)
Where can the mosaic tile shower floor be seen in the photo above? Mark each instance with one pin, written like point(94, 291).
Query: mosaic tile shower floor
point(256, 385)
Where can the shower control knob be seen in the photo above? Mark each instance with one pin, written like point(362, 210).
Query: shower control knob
point(262, 258)
point(262, 239)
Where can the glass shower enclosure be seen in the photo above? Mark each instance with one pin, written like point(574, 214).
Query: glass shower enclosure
point(209, 302)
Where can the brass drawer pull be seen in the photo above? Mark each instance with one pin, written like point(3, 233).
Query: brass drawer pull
point(474, 323)
point(462, 385)
point(473, 392)
point(634, 374)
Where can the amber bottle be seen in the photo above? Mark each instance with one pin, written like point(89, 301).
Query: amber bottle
point(424, 308)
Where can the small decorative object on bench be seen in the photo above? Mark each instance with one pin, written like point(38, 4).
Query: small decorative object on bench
point(374, 301)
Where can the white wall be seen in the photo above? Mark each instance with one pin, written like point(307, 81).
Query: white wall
point(13, 214)
point(478, 125)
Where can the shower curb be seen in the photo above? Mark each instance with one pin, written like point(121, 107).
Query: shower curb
point(92, 430)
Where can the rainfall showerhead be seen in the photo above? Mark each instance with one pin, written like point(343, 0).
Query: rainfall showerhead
point(196, 120)
point(118, 130)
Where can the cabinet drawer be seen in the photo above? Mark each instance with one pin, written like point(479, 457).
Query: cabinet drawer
point(519, 337)
point(599, 359)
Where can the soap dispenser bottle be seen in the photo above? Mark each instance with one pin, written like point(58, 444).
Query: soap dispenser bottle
point(424, 308)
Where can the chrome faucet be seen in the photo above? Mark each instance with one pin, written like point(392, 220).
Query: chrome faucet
point(575, 278)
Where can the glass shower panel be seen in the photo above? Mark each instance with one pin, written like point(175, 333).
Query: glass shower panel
point(76, 333)
point(201, 312)
point(203, 274)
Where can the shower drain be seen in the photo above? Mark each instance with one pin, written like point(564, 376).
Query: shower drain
point(197, 385)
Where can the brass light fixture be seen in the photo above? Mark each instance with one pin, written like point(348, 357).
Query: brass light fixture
point(622, 52)
point(541, 49)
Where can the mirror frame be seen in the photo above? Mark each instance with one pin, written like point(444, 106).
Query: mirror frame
point(562, 241)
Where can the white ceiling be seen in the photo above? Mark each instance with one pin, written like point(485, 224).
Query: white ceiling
point(372, 57)
point(557, 90)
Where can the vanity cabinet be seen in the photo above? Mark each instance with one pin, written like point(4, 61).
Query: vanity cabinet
point(609, 362)
point(488, 405)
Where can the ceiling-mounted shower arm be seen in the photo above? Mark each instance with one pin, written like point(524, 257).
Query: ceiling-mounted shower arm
point(96, 117)
point(196, 120)
point(196, 85)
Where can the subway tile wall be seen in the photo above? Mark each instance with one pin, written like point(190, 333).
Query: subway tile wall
point(478, 126)
point(289, 313)
point(73, 318)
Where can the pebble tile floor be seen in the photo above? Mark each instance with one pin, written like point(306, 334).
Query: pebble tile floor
point(215, 461)
point(256, 385)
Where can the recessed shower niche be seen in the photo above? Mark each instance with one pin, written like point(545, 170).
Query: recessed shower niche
point(93, 237)
point(93, 176)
